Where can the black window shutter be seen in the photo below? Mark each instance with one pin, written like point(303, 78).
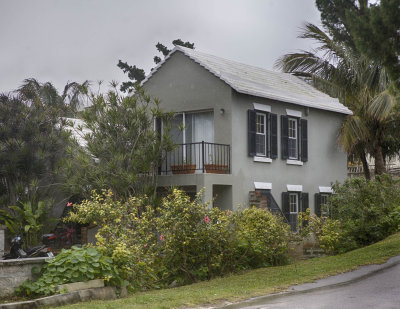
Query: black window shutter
point(284, 136)
point(274, 135)
point(317, 205)
point(285, 205)
point(304, 202)
point(304, 140)
point(251, 140)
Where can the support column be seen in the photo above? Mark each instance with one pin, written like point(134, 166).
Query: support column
point(207, 193)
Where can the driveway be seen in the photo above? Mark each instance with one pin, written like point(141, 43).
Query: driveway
point(375, 286)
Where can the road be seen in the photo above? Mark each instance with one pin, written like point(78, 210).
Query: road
point(379, 290)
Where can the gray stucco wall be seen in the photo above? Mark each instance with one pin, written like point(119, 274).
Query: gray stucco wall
point(326, 161)
point(183, 85)
point(15, 272)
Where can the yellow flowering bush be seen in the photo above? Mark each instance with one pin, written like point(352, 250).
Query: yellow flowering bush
point(329, 232)
point(195, 240)
point(126, 234)
point(181, 240)
point(262, 238)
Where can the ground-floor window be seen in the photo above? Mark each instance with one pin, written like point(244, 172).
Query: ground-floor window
point(321, 204)
point(292, 204)
point(324, 204)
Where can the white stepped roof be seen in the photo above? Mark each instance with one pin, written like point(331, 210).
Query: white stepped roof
point(260, 82)
point(78, 130)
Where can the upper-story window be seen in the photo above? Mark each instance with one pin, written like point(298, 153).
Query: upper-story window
point(262, 132)
point(294, 140)
point(192, 127)
point(261, 135)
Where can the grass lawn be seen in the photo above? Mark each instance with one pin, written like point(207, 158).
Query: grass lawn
point(255, 282)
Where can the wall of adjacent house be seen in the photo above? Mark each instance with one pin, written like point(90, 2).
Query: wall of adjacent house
point(326, 161)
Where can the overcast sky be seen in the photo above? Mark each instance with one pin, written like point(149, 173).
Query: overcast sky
point(78, 40)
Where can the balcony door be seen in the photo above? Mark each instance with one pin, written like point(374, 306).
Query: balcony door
point(202, 130)
point(191, 129)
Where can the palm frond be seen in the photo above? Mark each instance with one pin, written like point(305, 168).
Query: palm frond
point(327, 45)
point(382, 105)
point(353, 132)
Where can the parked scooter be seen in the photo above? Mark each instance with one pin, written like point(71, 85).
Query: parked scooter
point(16, 251)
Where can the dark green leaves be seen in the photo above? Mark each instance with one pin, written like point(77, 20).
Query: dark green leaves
point(73, 265)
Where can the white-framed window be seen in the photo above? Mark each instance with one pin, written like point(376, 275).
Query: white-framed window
point(261, 134)
point(293, 203)
point(324, 204)
point(293, 150)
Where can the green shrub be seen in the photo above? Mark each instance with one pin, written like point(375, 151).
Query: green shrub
point(361, 212)
point(262, 238)
point(329, 233)
point(181, 241)
point(195, 240)
point(126, 233)
point(366, 209)
point(73, 265)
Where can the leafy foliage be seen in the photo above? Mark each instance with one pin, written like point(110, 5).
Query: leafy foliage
point(126, 233)
point(328, 232)
point(33, 140)
point(365, 208)
point(123, 150)
point(195, 240)
point(8, 220)
point(31, 218)
point(361, 84)
point(137, 75)
point(181, 241)
point(72, 265)
point(370, 28)
point(361, 212)
point(262, 238)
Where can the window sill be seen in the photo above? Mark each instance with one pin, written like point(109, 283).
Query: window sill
point(262, 159)
point(294, 162)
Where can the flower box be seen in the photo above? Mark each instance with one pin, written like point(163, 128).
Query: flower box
point(216, 168)
point(183, 169)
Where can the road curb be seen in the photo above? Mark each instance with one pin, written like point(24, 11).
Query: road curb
point(337, 280)
point(104, 293)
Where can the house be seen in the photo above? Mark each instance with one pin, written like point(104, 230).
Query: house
point(246, 134)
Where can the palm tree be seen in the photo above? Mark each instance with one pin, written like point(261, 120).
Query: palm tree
point(69, 101)
point(32, 141)
point(360, 84)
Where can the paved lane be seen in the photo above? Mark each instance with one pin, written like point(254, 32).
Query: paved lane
point(380, 290)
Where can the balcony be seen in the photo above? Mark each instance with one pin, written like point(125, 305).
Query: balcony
point(197, 158)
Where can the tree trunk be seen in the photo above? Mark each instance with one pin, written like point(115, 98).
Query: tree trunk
point(363, 158)
point(379, 161)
